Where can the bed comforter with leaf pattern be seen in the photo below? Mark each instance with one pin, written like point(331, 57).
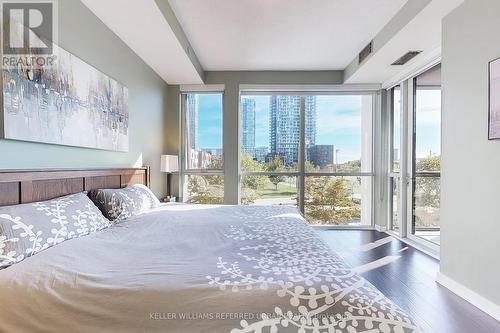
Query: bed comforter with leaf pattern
point(183, 268)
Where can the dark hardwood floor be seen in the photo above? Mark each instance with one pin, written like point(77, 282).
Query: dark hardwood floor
point(407, 277)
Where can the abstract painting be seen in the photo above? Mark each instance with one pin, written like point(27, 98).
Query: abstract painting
point(68, 102)
point(494, 102)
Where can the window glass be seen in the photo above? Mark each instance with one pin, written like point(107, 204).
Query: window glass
point(338, 200)
point(203, 131)
point(204, 189)
point(337, 136)
point(340, 134)
point(270, 132)
point(396, 128)
point(427, 155)
point(269, 190)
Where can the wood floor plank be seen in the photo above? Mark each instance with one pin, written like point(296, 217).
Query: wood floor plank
point(407, 277)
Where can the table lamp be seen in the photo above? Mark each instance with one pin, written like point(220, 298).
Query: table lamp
point(169, 164)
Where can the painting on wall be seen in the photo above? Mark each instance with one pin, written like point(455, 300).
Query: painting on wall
point(68, 103)
point(494, 100)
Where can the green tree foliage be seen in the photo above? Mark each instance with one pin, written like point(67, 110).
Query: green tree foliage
point(351, 166)
point(208, 189)
point(276, 165)
point(329, 200)
point(251, 184)
point(428, 189)
point(431, 163)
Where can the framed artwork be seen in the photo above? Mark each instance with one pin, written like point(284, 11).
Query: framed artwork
point(68, 102)
point(494, 100)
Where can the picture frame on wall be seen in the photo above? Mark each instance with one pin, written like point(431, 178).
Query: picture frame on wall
point(68, 102)
point(494, 99)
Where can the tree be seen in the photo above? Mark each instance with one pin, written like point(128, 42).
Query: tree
point(428, 189)
point(276, 165)
point(208, 189)
point(431, 163)
point(251, 184)
point(216, 163)
point(352, 166)
point(205, 190)
point(329, 200)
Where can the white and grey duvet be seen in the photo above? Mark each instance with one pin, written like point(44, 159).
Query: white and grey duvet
point(187, 268)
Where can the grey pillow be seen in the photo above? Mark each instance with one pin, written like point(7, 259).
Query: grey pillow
point(120, 204)
point(30, 228)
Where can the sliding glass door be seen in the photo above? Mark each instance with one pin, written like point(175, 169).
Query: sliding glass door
point(310, 151)
point(414, 159)
point(426, 156)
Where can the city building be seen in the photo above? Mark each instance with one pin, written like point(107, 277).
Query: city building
point(248, 125)
point(213, 151)
point(260, 153)
point(270, 157)
point(284, 125)
point(321, 155)
point(200, 159)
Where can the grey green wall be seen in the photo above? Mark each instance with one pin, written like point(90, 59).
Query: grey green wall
point(470, 210)
point(84, 35)
point(232, 81)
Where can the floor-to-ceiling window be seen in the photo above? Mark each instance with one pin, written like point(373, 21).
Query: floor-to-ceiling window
point(313, 151)
point(415, 155)
point(426, 153)
point(202, 158)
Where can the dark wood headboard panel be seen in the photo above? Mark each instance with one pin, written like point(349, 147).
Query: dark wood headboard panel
point(24, 186)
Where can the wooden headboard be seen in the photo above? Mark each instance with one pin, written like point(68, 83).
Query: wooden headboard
point(24, 186)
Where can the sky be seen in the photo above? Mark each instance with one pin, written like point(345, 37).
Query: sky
point(338, 122)
point(428, 122)
point(210, 120)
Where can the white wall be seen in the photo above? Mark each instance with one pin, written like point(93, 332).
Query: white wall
point(470, 207)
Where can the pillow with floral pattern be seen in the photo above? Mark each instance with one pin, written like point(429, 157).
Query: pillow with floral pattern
point(30, 228)
point(120, 204)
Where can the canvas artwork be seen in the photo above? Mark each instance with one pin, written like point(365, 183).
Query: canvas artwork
point(494, 111)
point(67, 103)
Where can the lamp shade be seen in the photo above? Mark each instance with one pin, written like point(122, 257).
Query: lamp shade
point(169, 163)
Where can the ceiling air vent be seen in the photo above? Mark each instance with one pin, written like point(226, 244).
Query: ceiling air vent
point(365, 52)
point(407, 57)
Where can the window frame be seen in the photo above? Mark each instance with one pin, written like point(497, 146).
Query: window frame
point(300, 173)
point(414, 173)
point(394, 176)
point(407, 173)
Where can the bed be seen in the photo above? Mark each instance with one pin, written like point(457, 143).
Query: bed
point(195, 268)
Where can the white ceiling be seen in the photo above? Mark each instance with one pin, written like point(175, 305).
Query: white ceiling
point(142, 26)
point(281, 34)
point(422, 33)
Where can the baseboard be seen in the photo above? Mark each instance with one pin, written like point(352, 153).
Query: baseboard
point(380, 228)
point(470, 296)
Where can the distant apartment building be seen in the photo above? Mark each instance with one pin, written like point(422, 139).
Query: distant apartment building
point(192, 116)
point(270, 157)
point(260, 153)
point(199, 159)
point(284, 125)
point(321, 155)
point(248, 125)
point(213, 151)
